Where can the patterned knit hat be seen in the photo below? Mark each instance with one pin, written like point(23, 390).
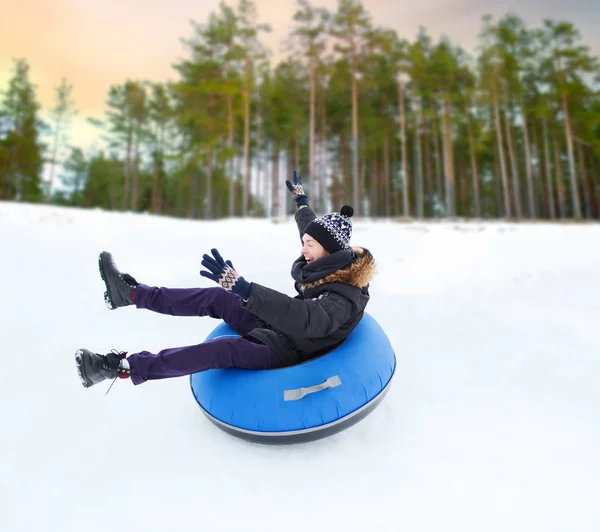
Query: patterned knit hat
point(332, 231)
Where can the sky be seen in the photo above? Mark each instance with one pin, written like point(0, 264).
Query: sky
point(490, 423)
point(96, 44)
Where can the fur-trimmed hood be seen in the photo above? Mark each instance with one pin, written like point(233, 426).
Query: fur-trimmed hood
point(354, 267)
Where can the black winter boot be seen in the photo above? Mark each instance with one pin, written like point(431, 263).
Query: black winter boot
point(119, 286)
point(94, 368)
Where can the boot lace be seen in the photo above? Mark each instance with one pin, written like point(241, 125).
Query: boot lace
point(121, 355)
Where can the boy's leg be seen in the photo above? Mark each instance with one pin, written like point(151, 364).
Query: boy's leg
point(214, 302)
point(214, 354)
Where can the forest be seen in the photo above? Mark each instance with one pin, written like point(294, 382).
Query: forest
point(394, 126)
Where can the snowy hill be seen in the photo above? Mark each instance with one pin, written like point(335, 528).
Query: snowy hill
point(492, 422)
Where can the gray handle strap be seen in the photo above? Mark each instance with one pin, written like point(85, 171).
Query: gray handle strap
point(295, 395)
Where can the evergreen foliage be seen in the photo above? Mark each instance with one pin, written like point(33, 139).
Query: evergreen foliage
point(396, 128)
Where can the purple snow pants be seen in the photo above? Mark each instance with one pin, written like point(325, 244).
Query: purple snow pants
point(216, 353)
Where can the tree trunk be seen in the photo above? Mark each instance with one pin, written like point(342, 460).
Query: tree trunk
point(346, 188)
point(316, 180)
point(501, 161)
point(474, 172)
point(239, 185)
point(559, 180)
point(209, 182)
point(355, 177)
point(386, 174)
point(528, 169)
point(194, 195)
point(595, 181)
point(361, 180)
point(323, 158)
point(548, 168)
point(573, 174)
point(584, 181)
point(464, 190)
point(311, 127)
point(290, 158)
point(418, 168)
point(230, 175)
point(394, 177)
point(113, 187)
point(3, 179)
point(498, 186)
point(154, 199)
point(246, 136)
point(275, 182)
point(127, 170)
point(230, 156)
point(536, 170)
point(428, 169)
point(374, 194)
point(18, 178)
point(179, 194)
point(404, 152)
point(341, 172)
point(136, 174)
point(258, 157)
point(158, 161)
point(436, 131)
point(513, 160)
point(267, 184)
point(448, 160)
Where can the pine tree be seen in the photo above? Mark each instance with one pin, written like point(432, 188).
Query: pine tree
point(310, 32)
point(126, 116)
point(160, 115)
point(252, 51)
point(21, 154)
point(565, 64)
point(445, 68)
point(490, 74)
point(351, 24)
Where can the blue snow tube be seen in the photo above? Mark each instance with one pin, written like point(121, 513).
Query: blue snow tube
point(300, 403)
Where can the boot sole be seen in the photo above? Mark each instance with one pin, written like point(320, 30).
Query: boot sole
point(80, 369)
point(107, 297)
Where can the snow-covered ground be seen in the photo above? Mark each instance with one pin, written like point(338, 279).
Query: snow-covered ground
point(492, 422)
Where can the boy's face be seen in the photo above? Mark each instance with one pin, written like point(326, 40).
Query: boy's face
point(312, 250)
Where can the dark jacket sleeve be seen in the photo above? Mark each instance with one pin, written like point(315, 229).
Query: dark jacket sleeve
point(302, 318)
point(303, 217)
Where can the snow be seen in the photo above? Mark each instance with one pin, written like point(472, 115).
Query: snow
point(491, 424)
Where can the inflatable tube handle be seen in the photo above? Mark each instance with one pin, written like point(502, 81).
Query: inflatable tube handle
point(295, 395)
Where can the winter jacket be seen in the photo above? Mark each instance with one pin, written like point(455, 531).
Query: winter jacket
point(332, 295)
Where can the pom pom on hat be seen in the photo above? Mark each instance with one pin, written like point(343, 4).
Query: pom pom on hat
point(332, 231)
point(347, 211)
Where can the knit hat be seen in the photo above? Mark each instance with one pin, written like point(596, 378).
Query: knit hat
point(332, 231)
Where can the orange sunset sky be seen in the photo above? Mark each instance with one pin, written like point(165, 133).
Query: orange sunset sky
point(98, 43)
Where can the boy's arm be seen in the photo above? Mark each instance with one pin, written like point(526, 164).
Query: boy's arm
point(304, 214)
point(302, 318)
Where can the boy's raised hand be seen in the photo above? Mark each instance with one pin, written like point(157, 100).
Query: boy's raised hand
point(224, 273)
point(297, 191)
